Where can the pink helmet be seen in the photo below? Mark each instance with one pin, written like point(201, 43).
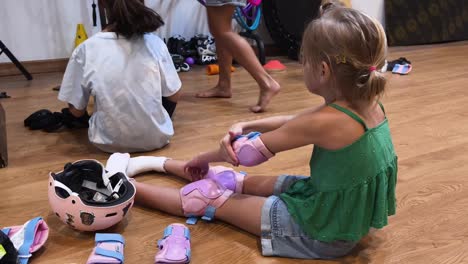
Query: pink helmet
point(87, 198)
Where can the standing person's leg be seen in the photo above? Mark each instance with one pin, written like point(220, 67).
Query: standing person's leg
point(220, 19)
point(223, 88)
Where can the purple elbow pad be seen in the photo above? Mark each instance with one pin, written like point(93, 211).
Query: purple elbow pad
point(250, 150)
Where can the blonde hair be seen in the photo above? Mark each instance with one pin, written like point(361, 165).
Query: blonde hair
point(354, 45)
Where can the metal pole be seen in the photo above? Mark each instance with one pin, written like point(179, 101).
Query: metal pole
point(13, 59)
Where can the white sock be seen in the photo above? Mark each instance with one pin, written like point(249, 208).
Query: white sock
point(145, 163)
point(118, 162)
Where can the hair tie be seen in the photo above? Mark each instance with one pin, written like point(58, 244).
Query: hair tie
point(372, 68)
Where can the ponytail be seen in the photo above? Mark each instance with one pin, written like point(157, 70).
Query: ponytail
point(370, 85)
point(330, 4)
point(131, 18)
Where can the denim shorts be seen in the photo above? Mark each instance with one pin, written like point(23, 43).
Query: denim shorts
point(283, 237)
point(225, 2)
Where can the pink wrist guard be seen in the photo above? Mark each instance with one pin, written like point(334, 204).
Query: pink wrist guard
point(175, 246)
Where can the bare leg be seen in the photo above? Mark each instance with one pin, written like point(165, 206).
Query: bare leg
point(220, 25)
point(259, 185)
point(161, 198)
point(243, 211)
point(176, 167)
point(223, 88)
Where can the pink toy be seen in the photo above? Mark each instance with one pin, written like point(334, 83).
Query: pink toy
point(255, 2)
point(175, 245)
point(250, 150)
point(86, 198)
point(109, 249)
point(28, 238)
point(227, 177)
point(274, 65)
point(202, 198)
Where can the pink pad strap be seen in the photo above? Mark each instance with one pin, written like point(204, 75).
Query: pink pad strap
point(175, 245)
point(251, 151)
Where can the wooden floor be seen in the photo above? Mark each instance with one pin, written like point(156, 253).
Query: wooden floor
point(429, 120)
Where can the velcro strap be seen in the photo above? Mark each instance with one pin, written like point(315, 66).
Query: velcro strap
point(253, 135)
point(209, 213)
point(6, 231)
point(29, 236)
point(167, 231)
point(191, 220)
point(24, 259)
point(110, 254)
point(102, 237)
point(160, 243)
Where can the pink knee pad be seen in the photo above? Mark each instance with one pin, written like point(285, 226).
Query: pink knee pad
point(227, 177)
point(250, 150)
point(202, 198)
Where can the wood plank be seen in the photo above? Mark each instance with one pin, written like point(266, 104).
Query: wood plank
point(429, 122)
point(34, 67)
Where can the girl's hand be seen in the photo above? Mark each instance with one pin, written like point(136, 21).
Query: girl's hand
point(226, 151)
point(196, 168)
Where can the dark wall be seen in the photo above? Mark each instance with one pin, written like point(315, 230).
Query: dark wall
point(411, 22)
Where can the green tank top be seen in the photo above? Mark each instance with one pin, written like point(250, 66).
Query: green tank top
point(350, 190)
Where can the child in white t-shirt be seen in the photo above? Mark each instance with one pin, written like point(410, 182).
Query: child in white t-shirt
point(131, 76)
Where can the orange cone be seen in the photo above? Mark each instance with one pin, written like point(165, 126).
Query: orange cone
point(213, 69)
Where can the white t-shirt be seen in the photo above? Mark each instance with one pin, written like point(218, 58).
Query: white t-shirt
point(127, 79)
